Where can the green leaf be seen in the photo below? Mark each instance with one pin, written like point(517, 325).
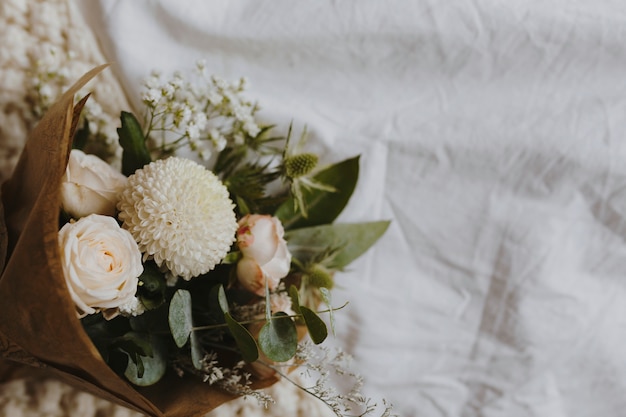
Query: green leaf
point(221, 299)
point(278, 338)
point(232, 258)
point(147, 370)
point(81, 136)
point(134, 342)
point(295, 298)
point(197, 353)
point(151, 292)
point(315, 325)
point(350, 240)
point(326, 297)
point(323, 206)
point(135, 153)
point(180, 317)
point(245, 342)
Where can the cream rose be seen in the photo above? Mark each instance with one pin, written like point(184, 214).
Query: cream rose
point(101, 263)
point(90, 186)
point(265, 254)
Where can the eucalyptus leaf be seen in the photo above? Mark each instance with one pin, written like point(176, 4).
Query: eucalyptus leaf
point(323, 206)
point(315, 325)
point(151, 292)
point(221, 299)
point(154, 366)
point(295, 298)
point(349, 240)
point(197, 353)
point(278, 338)
point(135, 152)
point(245, 342)
point(180, 317)
point(135, 342)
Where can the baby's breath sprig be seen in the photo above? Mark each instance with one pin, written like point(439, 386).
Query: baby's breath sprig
point(234, 380)
point(204, 114)
point(317, 362)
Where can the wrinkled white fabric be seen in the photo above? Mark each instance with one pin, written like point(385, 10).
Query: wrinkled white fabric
point(492, 134)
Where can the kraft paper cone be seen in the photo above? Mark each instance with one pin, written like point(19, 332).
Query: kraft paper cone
point(38, 322)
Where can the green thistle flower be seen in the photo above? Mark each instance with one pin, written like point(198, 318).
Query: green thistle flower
point(300, 165)
point(300, 168)
point(319, 276)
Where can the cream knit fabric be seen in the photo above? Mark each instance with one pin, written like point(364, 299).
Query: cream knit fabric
point(33, 31)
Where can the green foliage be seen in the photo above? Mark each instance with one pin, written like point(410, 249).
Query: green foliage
point(323, 207)
point(233, 155)
point(148, 362)
point(197, 352)
point(221, 299)
point(247, 185)
point(245, 342)
point(152, 286)
point(315, 325)
point(350, 239)
point(295, 298)
point(81, 136)
point(135, 152)
point(319, 276)
point(278, 338)
point(180, 317)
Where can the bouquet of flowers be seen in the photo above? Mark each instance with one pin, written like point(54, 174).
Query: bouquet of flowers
point(167, 286)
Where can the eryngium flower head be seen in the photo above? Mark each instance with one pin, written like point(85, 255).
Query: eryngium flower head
point(180, 214)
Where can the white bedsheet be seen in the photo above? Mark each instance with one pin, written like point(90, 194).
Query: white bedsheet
point(492, 134)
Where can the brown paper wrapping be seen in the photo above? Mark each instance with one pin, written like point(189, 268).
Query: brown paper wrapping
point(38, 323)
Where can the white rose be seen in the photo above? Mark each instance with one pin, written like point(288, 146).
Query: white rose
point(101, 263)
point(90, 186)
point(265, 254)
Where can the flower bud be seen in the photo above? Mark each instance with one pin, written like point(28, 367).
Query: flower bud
point(319, 276)
point(300, 165)
point(265, 254)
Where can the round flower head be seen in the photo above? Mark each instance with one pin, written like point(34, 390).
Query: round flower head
point(180, 215)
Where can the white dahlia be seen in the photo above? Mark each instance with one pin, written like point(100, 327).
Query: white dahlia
point(180, 215)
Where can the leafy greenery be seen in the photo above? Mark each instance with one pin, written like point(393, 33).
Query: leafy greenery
point(245, 342)
point(323, 206)
point(278, 338)
point(135, 152)
point(148, 364)
point(152, 286)
point(351, 240)
point(180, 317)
point(315, 325)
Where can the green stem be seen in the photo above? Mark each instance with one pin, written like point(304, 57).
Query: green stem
point(219, 326)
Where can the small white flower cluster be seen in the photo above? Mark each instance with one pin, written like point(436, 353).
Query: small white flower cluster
point(233, 380)
point(132, 308)
point(204, 114)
